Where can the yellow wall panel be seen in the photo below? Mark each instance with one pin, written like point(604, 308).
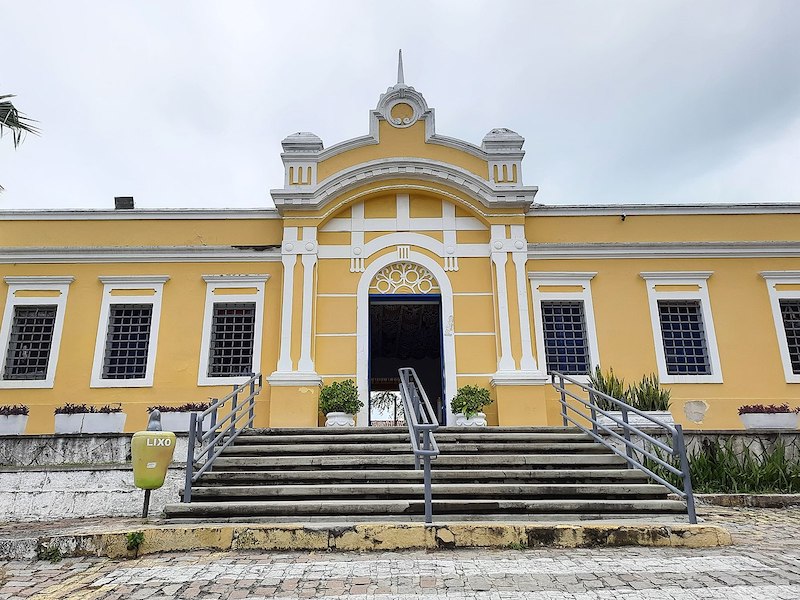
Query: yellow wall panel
point(425, 207)
point(336, 355)
point(473, 313)
point(475, 354)
point(336, 315)
point(381, 207)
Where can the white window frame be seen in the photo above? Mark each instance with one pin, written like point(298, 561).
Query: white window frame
point(682, 278)
point(214, 282)
point(34, 284)
point(127, 282)
point(772, 279)
point(564, 279)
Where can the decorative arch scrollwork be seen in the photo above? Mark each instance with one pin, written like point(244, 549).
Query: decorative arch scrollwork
point(404, 278)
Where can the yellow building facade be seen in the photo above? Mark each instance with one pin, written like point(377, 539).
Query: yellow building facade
point(402, 247)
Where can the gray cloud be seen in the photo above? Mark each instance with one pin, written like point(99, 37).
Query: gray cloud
point(185, 103)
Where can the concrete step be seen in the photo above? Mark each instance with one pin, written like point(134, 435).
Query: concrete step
point(402, 437)
point(406, 461)
point(476, 476)
point(367, 491)
point(335, 431)
point(369, 509)
point(344, 521)
point(485, 448)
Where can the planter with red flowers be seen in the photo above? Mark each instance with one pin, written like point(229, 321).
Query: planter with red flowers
point(758, 416)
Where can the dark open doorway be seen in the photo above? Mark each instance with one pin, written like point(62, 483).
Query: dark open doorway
point(404, 331)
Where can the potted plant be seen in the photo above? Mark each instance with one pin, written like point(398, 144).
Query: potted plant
point(178, 418)
point(758, 416)
point(646, 395)
point(339, 402)
point(81, 418)
point(467, 405)
point(13, 419)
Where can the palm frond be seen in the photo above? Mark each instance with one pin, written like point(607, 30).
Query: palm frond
point(14, 121)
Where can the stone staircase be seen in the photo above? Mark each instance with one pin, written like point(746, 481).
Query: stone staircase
point(357, 475)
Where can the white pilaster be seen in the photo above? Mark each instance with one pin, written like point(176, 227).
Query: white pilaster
point(499, 258)
point(289, 258)
point(306, 364)
point(520, 257)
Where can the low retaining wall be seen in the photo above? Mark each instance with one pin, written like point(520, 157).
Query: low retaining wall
point(37, 494)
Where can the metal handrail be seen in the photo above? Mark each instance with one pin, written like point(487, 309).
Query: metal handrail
point(422, 422)
point(632, 449)
point(205, 447)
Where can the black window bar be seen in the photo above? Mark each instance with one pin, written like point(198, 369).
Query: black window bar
point(30, 342)
point(790, 312)
point(565, 340)
point(684, 337)
point(232, 339)
point(127, 341)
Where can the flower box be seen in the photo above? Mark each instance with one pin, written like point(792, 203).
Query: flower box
point(637, 421)
point(339, 419)
point(13, 424)
point(477, 419)
point(769, 420)
point(178, 421)
point(113, 422)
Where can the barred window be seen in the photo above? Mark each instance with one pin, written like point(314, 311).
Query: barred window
point(565, 339)
point(127, 341)
point(232, 338)
point(790, 311)
point(684, 336)
point(30, 342)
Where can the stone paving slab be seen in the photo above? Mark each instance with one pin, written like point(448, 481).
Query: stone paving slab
point(764, 564)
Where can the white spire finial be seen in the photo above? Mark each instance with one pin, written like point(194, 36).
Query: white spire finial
point(400, 79)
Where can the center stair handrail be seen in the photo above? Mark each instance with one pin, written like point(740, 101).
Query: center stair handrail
point(205, 447)
point(422, 422)
point(632, 449)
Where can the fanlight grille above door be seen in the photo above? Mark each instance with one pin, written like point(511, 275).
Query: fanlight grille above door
point(404, 278)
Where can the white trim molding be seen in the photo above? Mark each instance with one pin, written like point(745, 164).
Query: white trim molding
point(128, 283)
point(222, 282)
point(118, 254)
point(139, 214)
point(655, 279)
point(562, 251)
point(773, 279)
point(581, 279)
point(59, 284)
point(618, 210)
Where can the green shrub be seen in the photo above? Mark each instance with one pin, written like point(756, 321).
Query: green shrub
point(340, 396)
point(470, 399)
point(648, 395)
point(720, 469)
point(610, 385)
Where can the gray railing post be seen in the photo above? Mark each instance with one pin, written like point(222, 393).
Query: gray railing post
point(680, 447)
point(593, 412)
point(627, 433)
point(252, 406)
point(187, 486)
point(427, 478)
point(563, 401)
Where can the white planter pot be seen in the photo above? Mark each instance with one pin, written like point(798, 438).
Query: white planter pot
point(13, 424)
point(178, 422)
point(770, 420)
point(636, 420)
point(103, 422)
point(476, 420)
point(69, 423)
point(340, 419)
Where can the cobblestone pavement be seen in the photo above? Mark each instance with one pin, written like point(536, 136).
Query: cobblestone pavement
point(763, 564)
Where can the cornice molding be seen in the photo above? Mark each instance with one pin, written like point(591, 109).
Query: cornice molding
point(133, 279)
point(560, 251)
point(491, 196)
point(617, 210)
point(43, 280)
point(114, 254)
point(170, 214)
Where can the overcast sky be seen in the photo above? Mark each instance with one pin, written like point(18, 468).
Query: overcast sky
point(184, 104)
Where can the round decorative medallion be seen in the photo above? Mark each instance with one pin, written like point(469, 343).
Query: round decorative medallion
point(402, 114)
point(498, 245)
point(310, 246)
point(519, 244)
point(289, 247)
point(356, 251)
point(404, 278)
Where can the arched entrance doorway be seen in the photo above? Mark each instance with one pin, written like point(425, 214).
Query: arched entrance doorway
point(405, 330)
point(405, 319)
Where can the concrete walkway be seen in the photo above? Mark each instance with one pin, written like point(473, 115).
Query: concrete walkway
point(763, 564)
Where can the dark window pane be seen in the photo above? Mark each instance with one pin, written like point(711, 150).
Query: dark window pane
point(232, 336)
point(30, 342)
point(684, 336)
point(565, 337)
point(790, 311)
point(127, 341)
